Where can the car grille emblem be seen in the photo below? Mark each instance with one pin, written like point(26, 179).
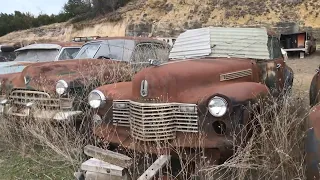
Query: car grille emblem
point(144, 88)
point(27, 80)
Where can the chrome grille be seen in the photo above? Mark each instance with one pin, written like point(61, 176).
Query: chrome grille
point(155, 121)
point(21, 97)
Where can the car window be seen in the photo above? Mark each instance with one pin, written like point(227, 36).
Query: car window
point(68, 53)
point(145, 51)
point(88, 51)
point(119, 49)
point(37, 55)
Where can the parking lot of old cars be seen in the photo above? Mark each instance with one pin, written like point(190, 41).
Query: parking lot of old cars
point(142, 92)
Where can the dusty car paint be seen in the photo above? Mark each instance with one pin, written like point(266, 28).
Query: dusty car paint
point(156, 94)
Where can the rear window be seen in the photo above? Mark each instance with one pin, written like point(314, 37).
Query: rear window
point(37, 55)
point(68, 53)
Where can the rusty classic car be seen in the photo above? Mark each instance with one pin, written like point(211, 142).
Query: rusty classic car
point(39, 53)
point(198, 99)
point(313, 130)
point(55, 90)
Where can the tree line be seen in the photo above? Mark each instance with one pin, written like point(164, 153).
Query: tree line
point(77, 10)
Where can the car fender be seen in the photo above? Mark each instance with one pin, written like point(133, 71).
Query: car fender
point(312, 144)
point(236, 92)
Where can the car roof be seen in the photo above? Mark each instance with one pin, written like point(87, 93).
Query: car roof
point(50, 45)
point(138, 39)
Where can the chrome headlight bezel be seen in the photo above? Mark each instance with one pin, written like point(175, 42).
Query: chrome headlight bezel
point(61, 87)
point(96, 99)
point(218, 106)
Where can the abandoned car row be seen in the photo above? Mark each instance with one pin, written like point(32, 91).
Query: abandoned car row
point(141, 91)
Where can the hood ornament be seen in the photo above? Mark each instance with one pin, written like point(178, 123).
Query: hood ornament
point(144, 88)
point(27, 80)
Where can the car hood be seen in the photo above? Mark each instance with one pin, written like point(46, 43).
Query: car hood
point(183, 81)
point(76, 72)
point(13, 66)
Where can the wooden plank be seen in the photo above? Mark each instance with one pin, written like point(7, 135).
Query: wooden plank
point(98, 166)
point(99, 176)
point(108, 156)
point(155, 168)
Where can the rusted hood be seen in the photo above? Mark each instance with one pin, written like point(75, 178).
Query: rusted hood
point(77, 73)
point(172, 81)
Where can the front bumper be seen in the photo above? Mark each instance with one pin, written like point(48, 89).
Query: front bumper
point(121, 136)
point(24, 103)
point(27, 112)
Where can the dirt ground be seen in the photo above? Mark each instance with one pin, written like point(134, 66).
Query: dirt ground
point(304, 70)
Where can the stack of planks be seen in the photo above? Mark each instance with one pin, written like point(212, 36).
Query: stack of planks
point(109, 165)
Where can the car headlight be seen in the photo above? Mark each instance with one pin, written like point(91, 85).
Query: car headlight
point(61, 87)
point(218, 106)
point(96, 99)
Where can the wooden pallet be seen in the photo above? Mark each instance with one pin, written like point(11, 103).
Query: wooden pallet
point(109, 165)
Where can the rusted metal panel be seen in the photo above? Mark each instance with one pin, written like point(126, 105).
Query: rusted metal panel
point(222, 42)
point(239, 42)
point(194, 74)
point(313, 144)
point(192, 43)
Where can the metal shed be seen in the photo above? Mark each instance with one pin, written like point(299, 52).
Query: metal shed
point(222, 42)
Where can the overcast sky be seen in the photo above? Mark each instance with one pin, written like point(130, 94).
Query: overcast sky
point(33, 6)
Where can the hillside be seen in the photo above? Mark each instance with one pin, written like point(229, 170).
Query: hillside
point(170, 17)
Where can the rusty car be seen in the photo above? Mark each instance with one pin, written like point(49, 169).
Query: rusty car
point(198, 99)
point(54, 91)
point(313, 130)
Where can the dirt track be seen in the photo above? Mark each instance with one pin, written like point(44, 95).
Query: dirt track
point(304, 70)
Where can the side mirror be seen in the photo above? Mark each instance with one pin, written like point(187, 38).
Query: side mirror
point(284, 54)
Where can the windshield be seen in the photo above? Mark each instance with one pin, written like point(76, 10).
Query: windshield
point(124, 50)
point(145, 51)
point(88, 51)
point(118, 49)
point(37, 55)
point(68, 53)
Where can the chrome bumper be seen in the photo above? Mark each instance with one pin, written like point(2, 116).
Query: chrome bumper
point(24, 103)
point(28, 111)
point(56, 115)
